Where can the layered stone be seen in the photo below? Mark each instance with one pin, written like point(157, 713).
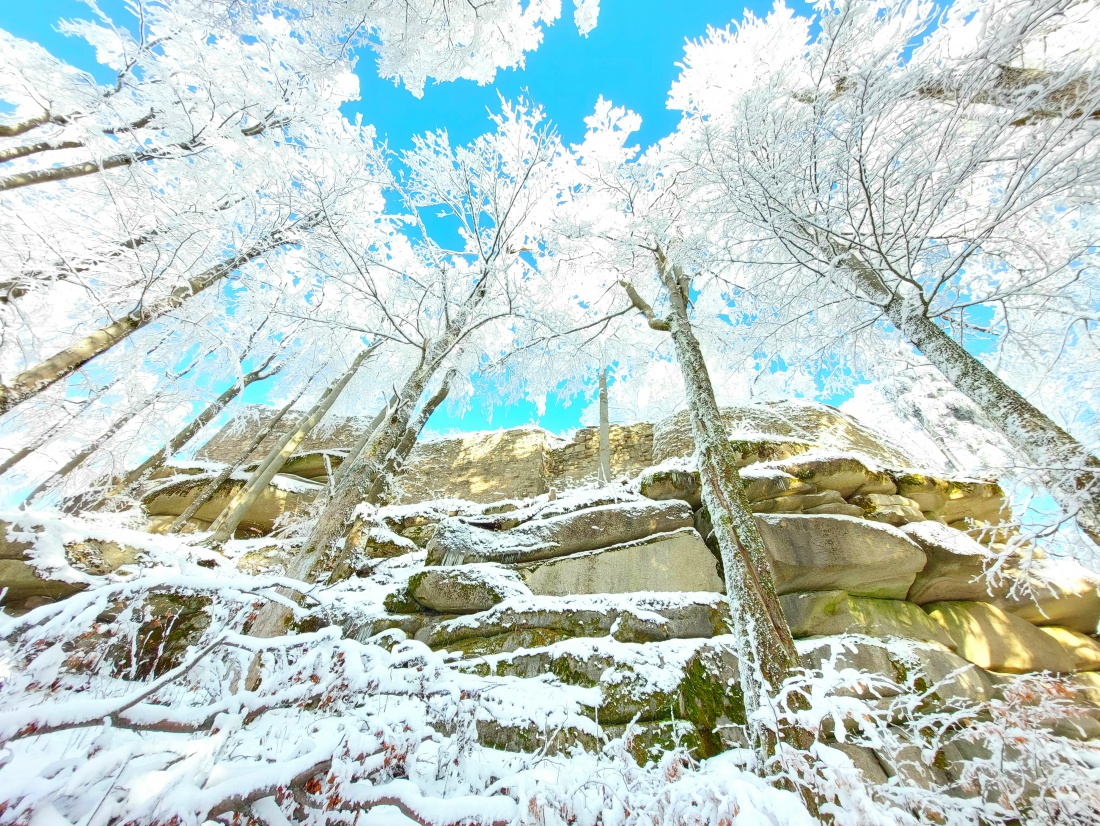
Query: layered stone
point(827, 613)
point(839, 553)
point(988, 637)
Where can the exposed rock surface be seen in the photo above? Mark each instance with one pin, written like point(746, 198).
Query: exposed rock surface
point(992, 639)
point(1084, 650)
point(828, 553)
point(677, 561)
point(456, 542)
point(956, 568)
point(826, 613)
point(1062, 593)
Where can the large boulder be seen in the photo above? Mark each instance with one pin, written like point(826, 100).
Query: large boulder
point(831, 553)
point(847, 475)
point(693, 680)
point(457, 542)
point(29, 579)
point(1063, 592)
point(988, 637)
point(466, 589)
point(826, 613)
point(677, 561)
point(956, 568)
point(1084, 650)
point(627, 618)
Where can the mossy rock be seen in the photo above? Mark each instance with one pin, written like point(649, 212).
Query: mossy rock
point(401, 602)
point(168, 625)
point(507, 642)
point(465, 589)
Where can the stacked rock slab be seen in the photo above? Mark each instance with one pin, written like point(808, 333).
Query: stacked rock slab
point(614, 607)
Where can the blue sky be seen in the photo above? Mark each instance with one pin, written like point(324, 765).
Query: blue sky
point(629, 58)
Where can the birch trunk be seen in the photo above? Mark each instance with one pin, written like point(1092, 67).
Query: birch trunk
point(605, 431)
point(36, 379)
point(226, 523)
point(766, 650)
point(207, 493)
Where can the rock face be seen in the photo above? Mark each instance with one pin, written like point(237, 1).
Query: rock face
point(840, 553)
point(457, 542)
point(1062, 593)
point(1085, 651)
point(956, 566)
point(465, 590)
point(835, 612)
point(287, 495)
point(26, 585)
point(677, 561)
point(994, 640)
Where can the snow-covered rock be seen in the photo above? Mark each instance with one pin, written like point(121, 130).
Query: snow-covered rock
point(956, 568)
point(456, 541)
point(466, 589)
point(835, 612)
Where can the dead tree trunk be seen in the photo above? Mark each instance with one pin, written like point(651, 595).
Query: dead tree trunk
point(226, 523)
point(36, 379)
point(605, 431)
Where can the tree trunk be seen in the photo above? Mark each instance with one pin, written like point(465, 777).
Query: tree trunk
point(79, 458)
point(605, 431)
point(766, 651)
point(226, 523)
point(396, 463)
point(211, 488)
point(1066, 465)
point(38, 378)
point(189, 431)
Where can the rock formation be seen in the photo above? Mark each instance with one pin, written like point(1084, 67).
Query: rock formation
point(612, 595)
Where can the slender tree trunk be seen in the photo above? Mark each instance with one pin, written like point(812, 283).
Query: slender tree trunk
point(1065, 465)
point(81, 456)
point(396, 462)
point(766, 650)
point(36, 379)
point(211, 487)
point(66, 173)
point(189, 431)
point(1071, 471)
point(605, 431)
point(226, 524)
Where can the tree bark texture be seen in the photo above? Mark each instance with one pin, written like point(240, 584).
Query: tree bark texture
point(605, 431)
point(36, 379)
point(766, 648)
point(227, 522)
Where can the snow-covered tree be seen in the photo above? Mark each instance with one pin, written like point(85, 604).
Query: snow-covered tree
point(931, 169)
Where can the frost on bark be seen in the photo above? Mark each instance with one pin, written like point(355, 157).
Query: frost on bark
point(605, 431)
point(765, 646)
point(226, 523)
point(1066, 465)
point(36, 379)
